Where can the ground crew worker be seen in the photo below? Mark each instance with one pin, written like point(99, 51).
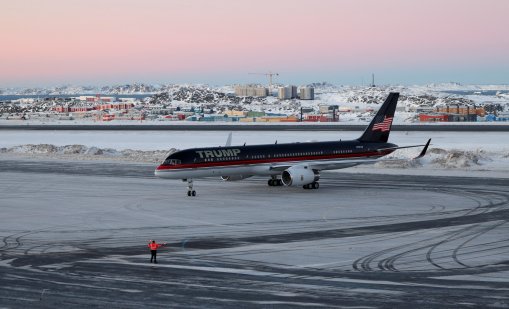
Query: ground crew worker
point(153, 250)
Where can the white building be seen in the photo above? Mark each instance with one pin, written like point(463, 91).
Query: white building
point(251, 91)
point(287, 92)
point(307, 93)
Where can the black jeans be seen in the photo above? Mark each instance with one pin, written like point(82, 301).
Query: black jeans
point(153, 256)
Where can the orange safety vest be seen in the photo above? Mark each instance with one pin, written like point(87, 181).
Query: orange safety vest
point(154, 246)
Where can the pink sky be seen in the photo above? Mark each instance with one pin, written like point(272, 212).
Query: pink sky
point(219, 41)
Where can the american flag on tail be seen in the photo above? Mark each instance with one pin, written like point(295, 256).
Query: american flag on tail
point(383, 125)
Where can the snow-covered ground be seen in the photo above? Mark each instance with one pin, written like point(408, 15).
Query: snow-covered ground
point(459, 153)
point(77, 238)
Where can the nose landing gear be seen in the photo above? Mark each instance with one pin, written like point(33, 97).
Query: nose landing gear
point(190, 191)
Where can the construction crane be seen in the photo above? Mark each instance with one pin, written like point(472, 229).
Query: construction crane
point(269, 75)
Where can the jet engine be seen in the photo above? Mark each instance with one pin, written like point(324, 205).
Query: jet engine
point(299, 176)
point(235, 177)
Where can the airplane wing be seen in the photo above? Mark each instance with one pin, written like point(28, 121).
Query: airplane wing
point(328, 165)
point(403, 147)
point(344, 163)
point(423, 152)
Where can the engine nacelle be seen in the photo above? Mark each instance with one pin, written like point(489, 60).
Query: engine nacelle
point(299, 176)
point(235, 177)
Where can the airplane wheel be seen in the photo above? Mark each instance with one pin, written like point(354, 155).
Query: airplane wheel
point(316, 185)
point(305, 186)
point(188, 193)
point(270, 183)
point(193, 193)
point(279, 182)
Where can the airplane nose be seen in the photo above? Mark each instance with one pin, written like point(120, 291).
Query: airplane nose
point(156, 171)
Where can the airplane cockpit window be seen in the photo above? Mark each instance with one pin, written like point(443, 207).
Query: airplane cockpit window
point(172, 162)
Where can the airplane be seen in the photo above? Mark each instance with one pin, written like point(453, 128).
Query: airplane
point(288, 164)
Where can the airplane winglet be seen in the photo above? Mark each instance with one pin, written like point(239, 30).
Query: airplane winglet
point(229, 140)
point(423, 152)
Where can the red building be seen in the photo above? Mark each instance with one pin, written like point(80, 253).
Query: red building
point(108, 117)
point(433, 118)
point(319, 118)
point(116, 106)
point(61, 109)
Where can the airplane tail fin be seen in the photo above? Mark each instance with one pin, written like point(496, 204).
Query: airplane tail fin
point(380, 127)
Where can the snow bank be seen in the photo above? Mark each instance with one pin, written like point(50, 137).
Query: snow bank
point(457, 158)
point(82, 152)
point(448, 159)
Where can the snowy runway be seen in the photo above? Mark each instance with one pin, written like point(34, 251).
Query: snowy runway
point(78, 230)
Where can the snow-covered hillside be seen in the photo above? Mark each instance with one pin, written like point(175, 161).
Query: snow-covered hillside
point(355, 103)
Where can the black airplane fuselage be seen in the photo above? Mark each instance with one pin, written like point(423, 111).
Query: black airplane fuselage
point(214, 161)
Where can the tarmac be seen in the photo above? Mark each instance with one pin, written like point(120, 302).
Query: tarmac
point(75, 234)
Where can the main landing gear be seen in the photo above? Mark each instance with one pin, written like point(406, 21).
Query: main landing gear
point(190, 191)
point(313, 185)
point(274, 182)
